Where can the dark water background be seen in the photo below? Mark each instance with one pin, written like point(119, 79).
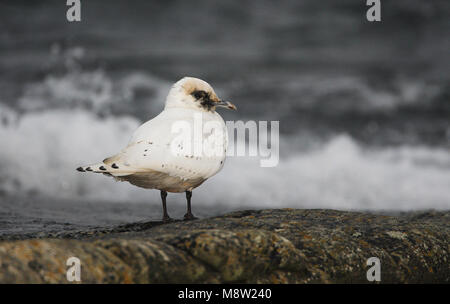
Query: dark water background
point(363, 107)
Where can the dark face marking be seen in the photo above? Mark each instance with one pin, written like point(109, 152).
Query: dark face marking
point(204, 98)
point(199, 94)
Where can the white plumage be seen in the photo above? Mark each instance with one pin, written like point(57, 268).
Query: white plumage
point(167, 152)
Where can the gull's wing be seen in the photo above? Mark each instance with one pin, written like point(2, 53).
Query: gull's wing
point(149, 150)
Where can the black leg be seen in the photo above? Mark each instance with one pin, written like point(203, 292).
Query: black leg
point(189, 215)
point(166, 217)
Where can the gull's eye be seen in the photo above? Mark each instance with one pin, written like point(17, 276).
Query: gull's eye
point(199, 94)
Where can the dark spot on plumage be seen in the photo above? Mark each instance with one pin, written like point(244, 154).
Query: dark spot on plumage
point(80, 169)
point(88, 169)
point(102, 168)
point(145, 154)
point(145, 150)
point(115, 166)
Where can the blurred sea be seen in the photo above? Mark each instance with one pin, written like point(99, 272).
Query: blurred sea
point(364, 108)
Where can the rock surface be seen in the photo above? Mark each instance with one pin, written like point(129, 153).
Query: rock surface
point(261, 246)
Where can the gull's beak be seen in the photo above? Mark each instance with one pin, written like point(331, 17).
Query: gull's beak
point(225, 104)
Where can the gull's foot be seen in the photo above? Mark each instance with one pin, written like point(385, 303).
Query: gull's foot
point(189, 217)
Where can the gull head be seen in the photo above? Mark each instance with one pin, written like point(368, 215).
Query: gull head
point(194, 93)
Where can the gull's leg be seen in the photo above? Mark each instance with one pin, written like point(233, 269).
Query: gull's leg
point(189, 215)
point(166, 217)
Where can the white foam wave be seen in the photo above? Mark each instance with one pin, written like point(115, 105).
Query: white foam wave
point(342, 175)
point(96, 91)
point(40, 150)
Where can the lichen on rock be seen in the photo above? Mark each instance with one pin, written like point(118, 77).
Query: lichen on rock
point(252, 246)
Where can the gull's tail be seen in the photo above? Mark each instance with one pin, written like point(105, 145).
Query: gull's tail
point(109, 166)
point(97, 168)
